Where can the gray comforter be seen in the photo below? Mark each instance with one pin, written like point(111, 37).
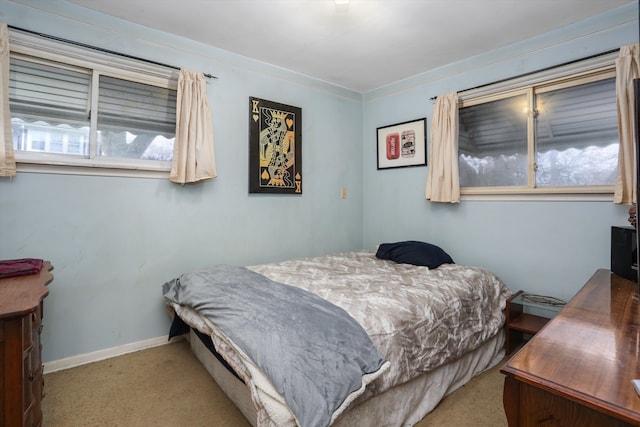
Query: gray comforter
point(314, 352)
point(418, 318)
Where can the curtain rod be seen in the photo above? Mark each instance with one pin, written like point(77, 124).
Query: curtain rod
point(112, 52)
point(534, 72)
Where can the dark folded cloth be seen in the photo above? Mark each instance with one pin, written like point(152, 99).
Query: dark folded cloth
point(19, 267)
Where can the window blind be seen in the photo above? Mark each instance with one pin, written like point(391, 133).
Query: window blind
point(39, 91)
point(131, 105)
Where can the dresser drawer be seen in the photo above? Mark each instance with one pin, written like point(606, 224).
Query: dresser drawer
point(36, 385)
point(36, 317)
point(36, 354)
point(27, 331)
point(27, 380)
point(31, 324)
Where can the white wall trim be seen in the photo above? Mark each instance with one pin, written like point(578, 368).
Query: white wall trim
point(55, 169)
point(549, 197)
point(83, 359)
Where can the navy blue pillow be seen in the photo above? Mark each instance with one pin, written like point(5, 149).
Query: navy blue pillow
point(413, 252)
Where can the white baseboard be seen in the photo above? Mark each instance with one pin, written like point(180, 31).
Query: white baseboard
point(95, 356)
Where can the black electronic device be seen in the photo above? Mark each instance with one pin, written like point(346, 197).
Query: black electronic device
point(636, 95)
point(624, 252)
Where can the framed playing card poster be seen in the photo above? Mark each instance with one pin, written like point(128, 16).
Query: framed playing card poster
point(275, 147)
point(403, 144)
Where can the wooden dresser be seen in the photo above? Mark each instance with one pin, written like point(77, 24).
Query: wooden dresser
point(21, 381)
point(577, 370)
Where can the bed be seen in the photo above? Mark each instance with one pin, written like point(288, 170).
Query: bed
point(432, 326)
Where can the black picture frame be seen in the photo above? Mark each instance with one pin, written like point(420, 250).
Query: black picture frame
point(275, 147)
point(402, 144)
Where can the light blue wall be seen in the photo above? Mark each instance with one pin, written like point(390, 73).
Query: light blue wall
point(542, 246)
point(114, 241)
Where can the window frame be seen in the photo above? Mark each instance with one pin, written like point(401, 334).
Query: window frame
point(36, 48)
point(596, 68)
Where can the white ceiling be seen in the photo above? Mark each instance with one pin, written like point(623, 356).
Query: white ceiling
point(363, 46)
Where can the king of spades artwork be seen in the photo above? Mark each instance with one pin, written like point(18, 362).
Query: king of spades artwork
point(275, 143)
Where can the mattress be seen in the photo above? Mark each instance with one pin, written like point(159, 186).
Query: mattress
point(403, 405)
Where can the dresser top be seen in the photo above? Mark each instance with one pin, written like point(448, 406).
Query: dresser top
point(589, 352)
point(22, 294)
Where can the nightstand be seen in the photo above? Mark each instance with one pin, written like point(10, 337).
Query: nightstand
point(526, 314)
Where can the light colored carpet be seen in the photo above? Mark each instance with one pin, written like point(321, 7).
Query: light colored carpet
point(167, 386)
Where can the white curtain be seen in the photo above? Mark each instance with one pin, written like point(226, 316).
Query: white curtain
point(627, 69)
point(443, 180)
point(7, 159)
point(193, 152)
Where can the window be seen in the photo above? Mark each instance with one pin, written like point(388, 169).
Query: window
point(576, 131)
point(74, 106)
point(135, 120)
point(552, 135)
point(493, 143)
point(50, 104)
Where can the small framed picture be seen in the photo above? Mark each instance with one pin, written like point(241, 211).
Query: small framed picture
point(403, 144)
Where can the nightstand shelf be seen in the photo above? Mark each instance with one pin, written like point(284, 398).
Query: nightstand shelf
point(524, 318)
